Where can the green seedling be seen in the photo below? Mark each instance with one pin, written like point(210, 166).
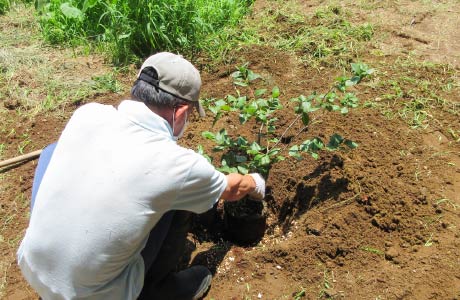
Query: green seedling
point(241, 156)
point(244, 156)
point(244, 76)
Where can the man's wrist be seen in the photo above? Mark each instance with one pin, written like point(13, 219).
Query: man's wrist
point(252, 183)
point(259, 191)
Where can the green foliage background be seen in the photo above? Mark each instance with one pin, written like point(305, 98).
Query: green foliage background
point(4, 6)
point(130, 28)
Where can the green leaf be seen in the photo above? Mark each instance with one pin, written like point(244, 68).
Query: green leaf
point(221, 102)
point(241, 158)
point(225, 107)
point(273, 152)
point(314, 155)
point(260, 92)
point(305, 119)
point(243, 118)
point(351, 144)
point(317, 144)
point(275, 92)
point(214, 109)
point(236, 74)
point(306, 106)
point(241, 141)
point(252, 76)
point(208, 135)
point(71, 12)
point(89, 4)
point(242, 170)
point(240, 83)
point(335, 107)
point(241, 101)
point(334, 141)
point(265, 160)
point(294, 151)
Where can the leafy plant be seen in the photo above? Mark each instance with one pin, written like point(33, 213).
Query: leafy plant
point(4, 6)
point(242, 156)
point(243, 76)
point(138, 27)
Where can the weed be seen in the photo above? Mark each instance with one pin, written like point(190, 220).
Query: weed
point(2, 149)
point(4, 266)
point(325, 38)
point(24, 143)
point(300, 295)
point(31, 83)
point(412, 97)
point(447, 201)
point(372, 250)
point(429, 241)
point(4, 6)
point(138, 28)
point(454, 134)
point(107, 82)
point(326, 284)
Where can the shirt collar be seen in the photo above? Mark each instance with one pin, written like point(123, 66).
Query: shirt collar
point(140, 114)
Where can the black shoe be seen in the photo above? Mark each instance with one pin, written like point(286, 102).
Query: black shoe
point(189, 284)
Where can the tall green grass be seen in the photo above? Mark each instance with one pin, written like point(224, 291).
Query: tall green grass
point(4, 6)
point(130, 28)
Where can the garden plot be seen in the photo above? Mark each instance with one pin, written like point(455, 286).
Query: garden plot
point(379, 221)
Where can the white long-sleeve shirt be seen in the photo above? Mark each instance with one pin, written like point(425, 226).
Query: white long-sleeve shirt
point(112, 176)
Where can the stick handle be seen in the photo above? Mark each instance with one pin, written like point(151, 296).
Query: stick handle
point(20, 158)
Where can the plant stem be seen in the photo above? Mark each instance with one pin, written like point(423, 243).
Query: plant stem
point(301, 130)
point(297, 118)
point(286, 130)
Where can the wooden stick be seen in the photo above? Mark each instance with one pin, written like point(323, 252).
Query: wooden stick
point(17, 159)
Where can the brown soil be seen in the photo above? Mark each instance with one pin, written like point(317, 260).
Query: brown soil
point(377, 222)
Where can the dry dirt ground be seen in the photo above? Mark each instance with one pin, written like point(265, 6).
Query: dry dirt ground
point(378, 222)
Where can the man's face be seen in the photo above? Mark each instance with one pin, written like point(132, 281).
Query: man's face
point(181, 116)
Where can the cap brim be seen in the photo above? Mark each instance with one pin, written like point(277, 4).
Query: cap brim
point(200, 110)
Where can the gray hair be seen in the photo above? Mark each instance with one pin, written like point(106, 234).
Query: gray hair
point(150, 95)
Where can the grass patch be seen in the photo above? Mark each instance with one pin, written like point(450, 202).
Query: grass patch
point(130, 29)
point(416, 91)
point(4, 6)
point(34, 78)
point(324, 37)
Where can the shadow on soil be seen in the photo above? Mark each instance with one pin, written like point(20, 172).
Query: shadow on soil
point(324, 183)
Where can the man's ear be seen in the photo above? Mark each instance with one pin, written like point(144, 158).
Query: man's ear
point(181, 111)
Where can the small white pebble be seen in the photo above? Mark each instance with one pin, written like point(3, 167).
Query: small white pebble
point(259, 295)
point(231, 258)
point(278, 267)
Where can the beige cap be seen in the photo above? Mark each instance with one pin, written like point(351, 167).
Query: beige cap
point(176, 76)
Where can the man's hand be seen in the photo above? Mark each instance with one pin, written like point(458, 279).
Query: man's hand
point(239, 186)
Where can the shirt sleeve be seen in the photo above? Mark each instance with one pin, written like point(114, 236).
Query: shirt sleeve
point(202, 187)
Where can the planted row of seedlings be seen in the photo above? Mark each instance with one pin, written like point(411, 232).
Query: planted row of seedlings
point(245, 221)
